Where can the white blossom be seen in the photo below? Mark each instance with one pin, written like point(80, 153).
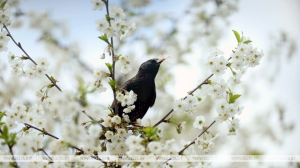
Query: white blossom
point(97, 4)
point(125, 68)
point(179, 105)
point(199, 122)
point(102, 24)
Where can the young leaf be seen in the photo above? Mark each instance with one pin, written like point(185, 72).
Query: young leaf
point(5, 134)
point(247, 41)
point(150, 131)
point(5, 130)
point(112, 83)
point(232, 97)
point(13, 139)
point(109, 66)
point(1, 115)
point(237, 36)
point(104, 38)
point(2, 4)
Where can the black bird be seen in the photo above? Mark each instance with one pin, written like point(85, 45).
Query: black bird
point(142, 84)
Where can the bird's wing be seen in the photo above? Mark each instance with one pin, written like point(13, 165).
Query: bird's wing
point(129, 85)
point(152, 101)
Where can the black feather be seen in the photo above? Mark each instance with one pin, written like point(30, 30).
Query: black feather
point(142, 84)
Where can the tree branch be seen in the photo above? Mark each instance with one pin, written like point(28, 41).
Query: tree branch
point(15, 164)
point(180, 152)
point(12, 153)
point(46, 154)
point(28, 126)
point(90, 117)
point(27, 56)
point(106, 2)
point(189, 93)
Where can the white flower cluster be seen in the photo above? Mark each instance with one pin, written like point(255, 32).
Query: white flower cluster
point(42, 22)
point(127, 100)
point(99, 75)
point(117, 145)
point(136, 147)
point(4, 19)
point(245, 56)
point(242, 57)
point(116, 26)
point(61, 106)
point(154, 147)
point(29, 142)
point(217, 64)
point(97, 4)
point(76, 135)
point(5, 15)
point(205, 143)
point(199, 122)
point(31, 71)
point(125, 64)
point(226, 111)
point(3, 40)
point(18, 113)
point(190, 150)
point(187, 105)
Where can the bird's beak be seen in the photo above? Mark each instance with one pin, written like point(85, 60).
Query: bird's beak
point(160, 60)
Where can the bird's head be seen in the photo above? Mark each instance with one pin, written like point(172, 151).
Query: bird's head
point(150, 67)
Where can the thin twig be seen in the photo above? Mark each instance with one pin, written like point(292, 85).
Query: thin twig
point(106, 2)
point(97, 158)
point(43, 131)
point(80, 150)
point(46, 133)
point(28, 126)
point(27, 56)
point(180, 152)
point(13, 157)
point(90, 117)
point(189, 93)
point(46, 154)
point(15, 164)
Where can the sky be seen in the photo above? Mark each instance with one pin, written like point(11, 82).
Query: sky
point(257, 19)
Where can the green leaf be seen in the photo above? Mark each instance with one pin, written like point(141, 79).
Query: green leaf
point(2, 114)
point(178, 131)
point(233, 97)
point(5, 130)
point(12, 139)
point(202, 16)
point(112, 83)
point(247, 41)
point(150, 131)
point(237, 36)
point(104, 38)
point(109, 66)
point(2, 4)
point(5, 134)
